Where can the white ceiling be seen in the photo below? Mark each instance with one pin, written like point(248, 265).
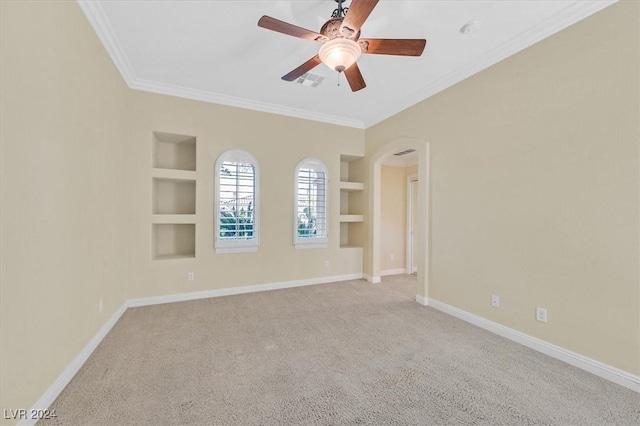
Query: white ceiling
point(214, 50)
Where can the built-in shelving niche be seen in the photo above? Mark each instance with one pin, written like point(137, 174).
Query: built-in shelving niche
point(171, 151)
point(174, 241)
point(347, 187)
point(174, 196)
point(173, 211)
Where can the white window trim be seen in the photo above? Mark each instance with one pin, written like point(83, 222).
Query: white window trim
point(313, 242)
point(237, 246)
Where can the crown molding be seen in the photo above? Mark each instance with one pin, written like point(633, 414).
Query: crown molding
point(565, 18)
point(98, 20)
point(233, 101)
point(569, 16)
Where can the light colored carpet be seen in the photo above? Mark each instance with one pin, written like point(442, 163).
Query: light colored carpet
point(342, 353)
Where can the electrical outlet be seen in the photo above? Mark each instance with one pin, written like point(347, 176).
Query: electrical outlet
point(191, 276)
point(541, 315)
point(100, 306)
point(326, 263)
point(392, 257)
point(495, 301)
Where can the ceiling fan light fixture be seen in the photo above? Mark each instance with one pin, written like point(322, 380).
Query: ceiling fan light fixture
point(340, 53)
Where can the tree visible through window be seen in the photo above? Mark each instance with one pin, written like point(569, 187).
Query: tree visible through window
point(311, 203)
point(236, 201)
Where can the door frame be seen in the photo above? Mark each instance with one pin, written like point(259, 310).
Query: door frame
point(372, 257)
point(409, 267)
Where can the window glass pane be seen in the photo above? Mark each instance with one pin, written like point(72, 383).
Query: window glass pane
point(311, 208)
point(237, 194)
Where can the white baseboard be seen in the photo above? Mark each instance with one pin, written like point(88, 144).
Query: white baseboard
point(393, 272)
point(598, 368)
point(605, 371)
point(372, 280)
point(67, 374)
point(422, 300)
point(230, 291)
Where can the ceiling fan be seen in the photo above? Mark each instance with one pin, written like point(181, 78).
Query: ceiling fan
point(341, 42)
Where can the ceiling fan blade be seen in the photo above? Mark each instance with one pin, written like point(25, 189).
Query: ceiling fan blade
point(354, 77)
point(390, 46)
point(358, 12)
point(279, 26)
point(306, 67)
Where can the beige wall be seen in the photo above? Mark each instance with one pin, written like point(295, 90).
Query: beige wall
point(393, 217)
point(413, 196)
point(534, 183)
point(77, 188)
point(277, 143)
point(411, 170)
point(534, 187)
point(64, 228)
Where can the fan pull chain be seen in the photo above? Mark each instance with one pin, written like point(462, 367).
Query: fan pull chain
point(339, 78)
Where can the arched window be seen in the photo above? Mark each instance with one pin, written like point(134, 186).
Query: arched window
point(236, 203)
point(311, 212)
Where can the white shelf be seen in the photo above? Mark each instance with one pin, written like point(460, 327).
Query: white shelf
point(173, 185)
point(348, 193)
point(173, 218)
point(175, 256)
point(351, 218)
point(173, 175)
point(351, 186)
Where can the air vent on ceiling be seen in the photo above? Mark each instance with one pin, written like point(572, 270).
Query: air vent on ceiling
point(311, 80)
point(405, 152)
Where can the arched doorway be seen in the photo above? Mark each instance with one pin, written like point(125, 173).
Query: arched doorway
point(423, 231)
